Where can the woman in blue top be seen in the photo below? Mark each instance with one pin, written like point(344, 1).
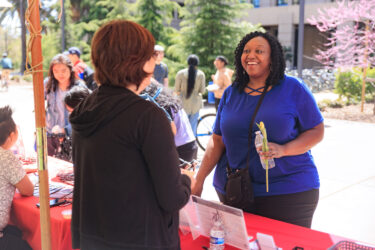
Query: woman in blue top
point(294, 125)
point(61, 79)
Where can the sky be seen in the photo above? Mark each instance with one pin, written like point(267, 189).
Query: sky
point(5, 3)
point(12, 24)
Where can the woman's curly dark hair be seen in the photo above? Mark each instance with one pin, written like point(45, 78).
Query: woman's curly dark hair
point(166, 99)
point(277, 61)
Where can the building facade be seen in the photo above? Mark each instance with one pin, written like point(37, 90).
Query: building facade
point(281, 18)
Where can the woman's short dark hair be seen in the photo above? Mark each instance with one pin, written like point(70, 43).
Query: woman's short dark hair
point(119, 50)
point(166, 99)
point(7, 125)
point(223, 59)
point(76, 95)
point(52, 82)
point(277, 60)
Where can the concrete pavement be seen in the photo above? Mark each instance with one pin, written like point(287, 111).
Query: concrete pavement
point(345, 160)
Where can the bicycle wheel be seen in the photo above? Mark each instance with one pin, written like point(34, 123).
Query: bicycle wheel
point(204, 129)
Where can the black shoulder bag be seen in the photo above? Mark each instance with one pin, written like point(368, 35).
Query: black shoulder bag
point(239, 190)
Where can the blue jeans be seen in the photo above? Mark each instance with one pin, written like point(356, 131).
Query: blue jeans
point(193, 119)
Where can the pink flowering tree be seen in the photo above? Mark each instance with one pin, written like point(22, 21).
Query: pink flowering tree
point(350, 29)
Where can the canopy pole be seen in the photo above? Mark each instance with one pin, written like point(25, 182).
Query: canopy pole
point(35, 46)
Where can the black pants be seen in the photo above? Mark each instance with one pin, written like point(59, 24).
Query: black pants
point(12, 239)
point(53, 144)
point(297, 208)
point(217, 102)
point(188, 151)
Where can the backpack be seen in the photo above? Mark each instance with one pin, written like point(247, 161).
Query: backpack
point(88, 77)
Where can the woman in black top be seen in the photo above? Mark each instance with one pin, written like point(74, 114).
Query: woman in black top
point(128, 188)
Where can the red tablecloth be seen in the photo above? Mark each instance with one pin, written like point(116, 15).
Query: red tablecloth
point(286, 236)
point(26, 216)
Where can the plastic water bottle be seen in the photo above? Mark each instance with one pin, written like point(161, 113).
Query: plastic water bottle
point(258, 143)
point(217, 234)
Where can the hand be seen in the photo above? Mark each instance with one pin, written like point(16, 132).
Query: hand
point(190, 174)
point(57, 130)
point(213, 77)
point(274, 151)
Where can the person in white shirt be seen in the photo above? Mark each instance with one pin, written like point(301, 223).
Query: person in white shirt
point(222, 79)
point(12, 176)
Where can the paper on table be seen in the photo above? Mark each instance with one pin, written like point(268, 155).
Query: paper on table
point(233, 220)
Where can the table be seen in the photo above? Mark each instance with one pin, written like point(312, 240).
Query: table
point(26, 216)
point(286, 236)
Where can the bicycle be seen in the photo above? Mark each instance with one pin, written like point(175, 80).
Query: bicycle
point(205, 129)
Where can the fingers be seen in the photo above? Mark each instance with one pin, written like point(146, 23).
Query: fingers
point(274, 151)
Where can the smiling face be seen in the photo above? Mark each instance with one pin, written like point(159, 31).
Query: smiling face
point(256, 59)
point(61, 72)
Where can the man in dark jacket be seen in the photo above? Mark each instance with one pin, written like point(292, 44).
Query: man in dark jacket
point(128, 188)
point(82, 70)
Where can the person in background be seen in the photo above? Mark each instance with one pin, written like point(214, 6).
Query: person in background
point(60, 80)
point(161, 69)
point(128, 189)
point(184, 137)
point(6, 65)
point(222, 78)
point(74, 96)
point(12, 176)
point(190, 85)
point(81, 69)
point(294, 125)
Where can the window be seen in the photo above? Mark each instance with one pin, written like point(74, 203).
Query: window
point(281, 2)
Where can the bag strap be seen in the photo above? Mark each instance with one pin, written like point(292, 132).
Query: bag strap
point(251, 128)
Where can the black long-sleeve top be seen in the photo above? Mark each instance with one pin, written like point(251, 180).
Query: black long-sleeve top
point(128, 188)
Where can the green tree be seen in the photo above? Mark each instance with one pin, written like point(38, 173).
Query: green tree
point(19, 8)
point(155, 15)
point(212, 28)
point(84, 17)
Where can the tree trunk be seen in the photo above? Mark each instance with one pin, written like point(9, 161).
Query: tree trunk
point(364, 68)
point(23, 35)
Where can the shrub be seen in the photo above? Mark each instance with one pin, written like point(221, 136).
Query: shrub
point(16, 78)
point(338, 103)
point(349, 84)
point(28, 78)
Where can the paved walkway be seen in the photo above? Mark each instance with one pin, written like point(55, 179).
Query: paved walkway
point(345, 160)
